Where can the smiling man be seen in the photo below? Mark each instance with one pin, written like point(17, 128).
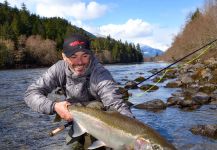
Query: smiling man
point(82, 78)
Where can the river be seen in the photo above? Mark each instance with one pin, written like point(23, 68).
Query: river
point(22, 128)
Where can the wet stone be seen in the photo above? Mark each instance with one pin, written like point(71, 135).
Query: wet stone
point(186, 79)
point(149, 87)
point(154, 105)
point(201, 98)
point(153, 71)
point(208, 88)
point(209, 130)
point(159, 80)
point(213, 102)
point(140, 79)
point(171, 101)
point(186, 103)
point(131, 85)
point(173, 84)
point(177, 94)
point(170, 76)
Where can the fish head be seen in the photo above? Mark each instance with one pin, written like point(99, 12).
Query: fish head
point(144, 144)
point(141, 144)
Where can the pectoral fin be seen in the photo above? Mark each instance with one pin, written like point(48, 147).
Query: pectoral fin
point(97, 144)
point(78, 130)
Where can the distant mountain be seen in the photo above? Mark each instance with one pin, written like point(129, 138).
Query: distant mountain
point(99, 35)
point(148, 51)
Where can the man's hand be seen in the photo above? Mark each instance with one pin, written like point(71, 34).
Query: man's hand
point(62, 111)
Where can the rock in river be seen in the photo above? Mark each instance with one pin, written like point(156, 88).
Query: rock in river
point(154, 105)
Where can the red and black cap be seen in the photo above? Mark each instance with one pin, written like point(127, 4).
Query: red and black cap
point(76, 43)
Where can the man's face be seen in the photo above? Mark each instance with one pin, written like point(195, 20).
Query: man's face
point(78, 62)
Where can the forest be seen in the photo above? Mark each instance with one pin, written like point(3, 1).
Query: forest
point(28, 40)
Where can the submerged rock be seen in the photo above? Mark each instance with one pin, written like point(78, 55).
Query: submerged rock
point(158, 79)
point(131, 85)
point(205, 130)
point(201, 98)
point(173, 84)
point(207, 88)
point(153, 71)
point(140, 79)
point(171, 101)
point(153, 105)
point(186, 79)
point(186, 103)
point(170, 75)
point(149, 87)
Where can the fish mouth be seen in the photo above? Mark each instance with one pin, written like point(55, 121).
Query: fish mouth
point(142, 144)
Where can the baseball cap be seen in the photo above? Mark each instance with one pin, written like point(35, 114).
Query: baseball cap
point(76, 43)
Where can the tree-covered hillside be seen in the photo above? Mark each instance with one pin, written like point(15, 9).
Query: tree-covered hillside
point(30, 40)
point(200, 29)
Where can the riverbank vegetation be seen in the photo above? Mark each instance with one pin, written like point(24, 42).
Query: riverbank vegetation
point(199, 29)
point(28, 40)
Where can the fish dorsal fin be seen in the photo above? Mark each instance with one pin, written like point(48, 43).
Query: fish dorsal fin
point(78, 130)
point(97, 144)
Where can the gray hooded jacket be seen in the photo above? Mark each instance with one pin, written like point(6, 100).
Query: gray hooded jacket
point(97, 83)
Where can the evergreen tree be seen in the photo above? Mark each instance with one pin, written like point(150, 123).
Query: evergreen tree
point(17, 23)
point(26, 26)
point(196, 14)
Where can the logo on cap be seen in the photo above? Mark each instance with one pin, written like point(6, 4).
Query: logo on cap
point(75, 43)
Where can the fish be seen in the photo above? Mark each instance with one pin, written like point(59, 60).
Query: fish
point(116, 131)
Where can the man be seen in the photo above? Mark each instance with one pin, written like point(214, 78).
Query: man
point(81, 76)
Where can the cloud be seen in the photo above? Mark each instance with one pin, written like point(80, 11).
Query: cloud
point(161, 38)
point(76, 9)
point(130, 29)
point(137, 31)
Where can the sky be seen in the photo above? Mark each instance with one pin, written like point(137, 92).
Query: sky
point(148, 22)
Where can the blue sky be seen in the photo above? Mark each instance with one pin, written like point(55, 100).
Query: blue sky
point(147, 22)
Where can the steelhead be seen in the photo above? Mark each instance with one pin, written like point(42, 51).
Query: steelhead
point(111, 129)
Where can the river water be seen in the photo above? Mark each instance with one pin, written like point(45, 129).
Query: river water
point(22, 128)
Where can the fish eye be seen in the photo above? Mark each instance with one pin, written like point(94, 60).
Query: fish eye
point(157, 147)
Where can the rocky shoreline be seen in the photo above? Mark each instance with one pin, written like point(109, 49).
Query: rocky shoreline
point(198, 86)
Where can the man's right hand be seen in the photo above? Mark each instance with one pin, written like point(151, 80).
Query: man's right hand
point(62, 111)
